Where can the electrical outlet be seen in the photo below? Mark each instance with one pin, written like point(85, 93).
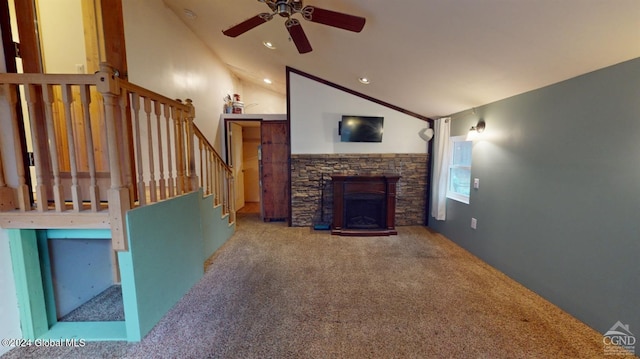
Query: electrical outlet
point(474, 223)
point(476, 183)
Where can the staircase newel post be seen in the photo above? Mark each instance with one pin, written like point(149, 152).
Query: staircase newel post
point(118, 195)
point(193, 177)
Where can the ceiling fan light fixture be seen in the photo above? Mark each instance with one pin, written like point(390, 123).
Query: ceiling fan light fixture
point(289, 8)
point(283, 9)
point(364, 80)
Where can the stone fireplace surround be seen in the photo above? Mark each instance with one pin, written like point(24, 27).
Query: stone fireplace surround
point(308, 171)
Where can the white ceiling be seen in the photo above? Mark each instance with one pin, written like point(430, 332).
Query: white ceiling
point(432, 57)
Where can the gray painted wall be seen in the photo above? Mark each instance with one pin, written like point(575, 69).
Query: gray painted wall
point(558, 206)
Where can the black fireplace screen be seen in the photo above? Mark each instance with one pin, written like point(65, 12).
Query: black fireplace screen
point(364, 211)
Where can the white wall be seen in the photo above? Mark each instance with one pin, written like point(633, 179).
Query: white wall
point(62, 35)
point(316, 109)
point(258, 100)
point(164, 56)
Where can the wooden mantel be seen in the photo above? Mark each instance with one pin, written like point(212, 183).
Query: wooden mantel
point(378, 188)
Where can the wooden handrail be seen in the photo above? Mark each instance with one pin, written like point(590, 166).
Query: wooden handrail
point(146, 93)
point(50, 79)
point(87, 127)
point(216, 154)
point(216, 176)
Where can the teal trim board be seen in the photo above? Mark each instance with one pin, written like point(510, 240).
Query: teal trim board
point(78, 233)
point(47, 277)
point(163, 262)
point(88, 331)
point(129, 297)
point(26, 271)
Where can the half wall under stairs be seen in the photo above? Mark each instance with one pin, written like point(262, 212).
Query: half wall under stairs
point(115, 162)
point(169, 242)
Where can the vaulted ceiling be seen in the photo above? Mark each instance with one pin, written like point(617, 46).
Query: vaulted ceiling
point(432, 57)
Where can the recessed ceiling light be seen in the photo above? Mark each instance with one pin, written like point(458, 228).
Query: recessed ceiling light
point(189, 14)
point(268, 45)
point(364, 80)
point(267, 81)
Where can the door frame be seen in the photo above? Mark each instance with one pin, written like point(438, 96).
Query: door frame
point(229, 155)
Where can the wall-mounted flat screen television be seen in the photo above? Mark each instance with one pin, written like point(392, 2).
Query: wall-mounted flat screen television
point(360, 129)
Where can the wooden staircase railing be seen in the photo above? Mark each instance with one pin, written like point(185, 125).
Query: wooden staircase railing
point(215, 176)
point(101, 146)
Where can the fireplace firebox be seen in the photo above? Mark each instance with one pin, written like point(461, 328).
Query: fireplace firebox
point(364, 205)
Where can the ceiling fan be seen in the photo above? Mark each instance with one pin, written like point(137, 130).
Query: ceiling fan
point(288, 8)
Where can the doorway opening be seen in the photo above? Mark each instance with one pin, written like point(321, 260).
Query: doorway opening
point(243, 156)
point(257, 150)
point(39, 29)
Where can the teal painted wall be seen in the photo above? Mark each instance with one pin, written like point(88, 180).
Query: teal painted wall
point(28, 278)
point(215, 229)
point(559, 200)
point(165, 259)
point(168, 244)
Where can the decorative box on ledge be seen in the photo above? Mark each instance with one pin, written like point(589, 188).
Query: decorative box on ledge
point(364, 205)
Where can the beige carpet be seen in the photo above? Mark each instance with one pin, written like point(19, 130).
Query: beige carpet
point(279, 292)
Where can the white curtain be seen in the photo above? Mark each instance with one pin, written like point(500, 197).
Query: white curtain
point(440, 168)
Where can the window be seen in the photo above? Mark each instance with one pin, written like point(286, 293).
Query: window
point(459, 169)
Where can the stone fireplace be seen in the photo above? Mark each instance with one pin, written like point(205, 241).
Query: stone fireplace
point(364, 205)
point(312, 188)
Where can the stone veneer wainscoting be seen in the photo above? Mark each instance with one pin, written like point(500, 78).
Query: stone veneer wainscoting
point(307, 171)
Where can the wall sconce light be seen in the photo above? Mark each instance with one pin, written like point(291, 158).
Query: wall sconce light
point(474, 131)
point(426, 134)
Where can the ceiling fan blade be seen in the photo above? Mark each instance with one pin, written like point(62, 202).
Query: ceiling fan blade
point(298, 36)
point(247, 25)
point(333, 18)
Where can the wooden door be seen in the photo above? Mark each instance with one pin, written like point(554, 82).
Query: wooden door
point(275, 170)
